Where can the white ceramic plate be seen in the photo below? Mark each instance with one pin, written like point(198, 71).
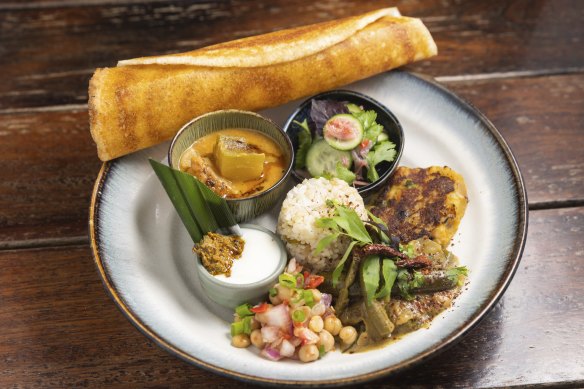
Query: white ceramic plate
point(144, 255)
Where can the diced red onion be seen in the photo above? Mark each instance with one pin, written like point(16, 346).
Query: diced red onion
point(307, 336)
point(277, 316)
point(270, 333)
point(318, 309)
point(271, 353)
point(287, 349)
point(326, 299)
point(295, 341)
point(291, 266)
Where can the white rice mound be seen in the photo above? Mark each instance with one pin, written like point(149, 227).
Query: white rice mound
point(306, 203)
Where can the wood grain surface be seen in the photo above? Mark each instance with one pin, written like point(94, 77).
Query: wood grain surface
point(60, 329)
point(520, 62)
point(47, 61)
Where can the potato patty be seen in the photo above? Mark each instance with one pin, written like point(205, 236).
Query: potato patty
point(423, 202)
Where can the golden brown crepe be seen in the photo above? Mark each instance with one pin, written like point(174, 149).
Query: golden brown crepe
point(145, 101)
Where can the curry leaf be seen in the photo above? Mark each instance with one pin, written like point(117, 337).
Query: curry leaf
point(349, 221)
point(370, 274)
point(325, 242)
point(327, 222)
point(389, 273)
point(339, 268)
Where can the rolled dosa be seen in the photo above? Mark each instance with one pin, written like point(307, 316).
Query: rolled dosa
point(145, 101)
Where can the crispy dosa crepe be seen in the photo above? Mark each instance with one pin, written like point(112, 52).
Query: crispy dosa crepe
point(145, 101)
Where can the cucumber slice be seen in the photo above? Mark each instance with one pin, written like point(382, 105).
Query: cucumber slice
point(321, 158)
point(343, 131)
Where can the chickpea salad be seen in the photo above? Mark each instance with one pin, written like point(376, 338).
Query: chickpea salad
point(299, 321)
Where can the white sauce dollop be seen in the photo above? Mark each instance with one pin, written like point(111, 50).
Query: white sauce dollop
point(260, 258)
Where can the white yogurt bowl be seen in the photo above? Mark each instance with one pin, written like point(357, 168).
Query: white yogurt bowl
point(263, 260)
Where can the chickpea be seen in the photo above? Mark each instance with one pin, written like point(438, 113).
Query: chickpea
point(316, 324)
point(308, 353)
point(348, 334)
point(284, 293)
point(241, 341)
point(255, 325)
point(333, 325)
point(275, 300)
point(326, 340)
point(316, 295)
point(318, 309)
point(257, 339)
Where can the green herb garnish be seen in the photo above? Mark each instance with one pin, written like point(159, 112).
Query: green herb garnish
point(370, 274)
point(298, 316)
point(341, 172)
point(242, 327)
point(383, 151)
point(389, 272)
point(344, 222)
point(243, 310)
point(304, 143)
point(457, 274)
point(308, 298)
point(287, 280)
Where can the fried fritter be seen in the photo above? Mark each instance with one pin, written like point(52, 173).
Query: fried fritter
point(423, 202)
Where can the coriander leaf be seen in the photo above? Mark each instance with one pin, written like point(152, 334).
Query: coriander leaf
point(372, 132)
point(457, 274)
point(326, 222)
point(349, 221)
point(339, 268)
point(367, 118)
point(417, 281)
point(408, 249)
point(354, 108)
point(403, 278)
point(389, 272)
point(372, 174)
point(344, 174)
point(304, 143)
point(325, 242)
point(384, 151)
point(370, 274)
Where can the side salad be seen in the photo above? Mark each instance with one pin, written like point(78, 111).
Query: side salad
point(342, 140)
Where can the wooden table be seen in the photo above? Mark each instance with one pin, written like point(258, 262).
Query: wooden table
point(520, 62)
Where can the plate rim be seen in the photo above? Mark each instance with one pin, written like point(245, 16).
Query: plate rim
point(450, 340)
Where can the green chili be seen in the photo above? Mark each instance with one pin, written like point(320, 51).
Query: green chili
point(243, 310)
point(287, 280)
point(298, 316)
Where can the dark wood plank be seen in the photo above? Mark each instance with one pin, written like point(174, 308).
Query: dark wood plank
point(48, 166)
point(48, 54)
point(542, 120)
point(49, 163)
point(58, 328)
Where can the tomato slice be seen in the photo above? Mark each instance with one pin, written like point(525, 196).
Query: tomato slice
point(261, 308)
point(313, 281)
